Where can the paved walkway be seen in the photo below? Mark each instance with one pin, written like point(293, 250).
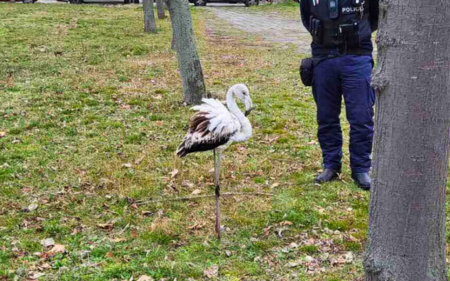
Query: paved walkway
point(270, 26)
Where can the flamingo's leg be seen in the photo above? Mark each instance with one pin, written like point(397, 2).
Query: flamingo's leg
point(217, 156)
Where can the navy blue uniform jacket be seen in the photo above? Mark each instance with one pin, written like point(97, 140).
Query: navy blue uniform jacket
point(365, 44)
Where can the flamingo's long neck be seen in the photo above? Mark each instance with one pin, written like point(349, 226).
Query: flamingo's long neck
point(246, 129)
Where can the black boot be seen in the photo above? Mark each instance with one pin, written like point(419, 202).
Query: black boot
point(362, 180)
point(327, 175)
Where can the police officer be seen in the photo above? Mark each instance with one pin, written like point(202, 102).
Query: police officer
point(342, 54)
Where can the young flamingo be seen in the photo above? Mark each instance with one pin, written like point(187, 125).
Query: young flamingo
point(214, 127)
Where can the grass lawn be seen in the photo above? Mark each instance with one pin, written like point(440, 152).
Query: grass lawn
point(90, 117)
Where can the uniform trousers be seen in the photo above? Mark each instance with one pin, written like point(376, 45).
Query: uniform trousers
point(349, 77)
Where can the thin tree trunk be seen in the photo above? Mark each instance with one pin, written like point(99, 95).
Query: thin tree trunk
point(149, 16)
point(411, 150)
point(160, 7)
point(186, 46)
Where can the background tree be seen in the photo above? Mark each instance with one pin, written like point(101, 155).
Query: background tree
point(149, 16)
point(160, 7)
point(186, 47)
point(407, 207)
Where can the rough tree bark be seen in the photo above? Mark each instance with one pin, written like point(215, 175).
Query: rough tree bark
point(160, 7)
point(149, 16)
point(411, 150)
point(186, 47)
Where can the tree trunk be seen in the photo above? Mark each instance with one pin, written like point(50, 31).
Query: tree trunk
point(160, 7)
point(186, 46)
point(411, 150)
point(149, 16)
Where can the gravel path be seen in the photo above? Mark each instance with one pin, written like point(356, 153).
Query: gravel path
point(272, 27)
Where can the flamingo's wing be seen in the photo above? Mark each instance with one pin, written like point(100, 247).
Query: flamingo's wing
point(212, 126)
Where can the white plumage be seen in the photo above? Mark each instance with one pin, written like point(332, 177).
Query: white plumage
point(215, 126)
point(221, 121)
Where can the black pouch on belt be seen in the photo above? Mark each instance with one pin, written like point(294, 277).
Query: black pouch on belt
point(307, 71)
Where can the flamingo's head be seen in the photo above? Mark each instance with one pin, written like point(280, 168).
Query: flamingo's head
point(242, 93)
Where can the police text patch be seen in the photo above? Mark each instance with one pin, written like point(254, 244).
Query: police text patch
point(352, 10)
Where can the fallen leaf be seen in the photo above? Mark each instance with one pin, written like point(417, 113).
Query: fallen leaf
point(147, 213)
point(284, 223)
point(145, 278)
point(187, 184)
point(36, 275)
point(77, 230)
point(107, 226)
point(271, 140)
point(197, 191)
point(212, 271)
point(280, 231)
point(109, 254)
point(31, 207)
point(127, 165)
point(45, 266)
point(242, 149)
point(349, 257)
point(197, 226)
point(352, 238)
point(48, 242)
point(293, 264)
point(134, 206)
point(320, 210)
point(139, 160)
point(58, 248)
point(267, 230)
point(274, 185)
point(2, 134)
point(174, 173)
point(118, 240)
point(309, 259)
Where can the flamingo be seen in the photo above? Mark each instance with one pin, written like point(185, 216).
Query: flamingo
point(214, 127)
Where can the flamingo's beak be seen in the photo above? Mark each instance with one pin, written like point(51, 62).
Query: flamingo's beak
point(247, 112)
point(248, 106)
